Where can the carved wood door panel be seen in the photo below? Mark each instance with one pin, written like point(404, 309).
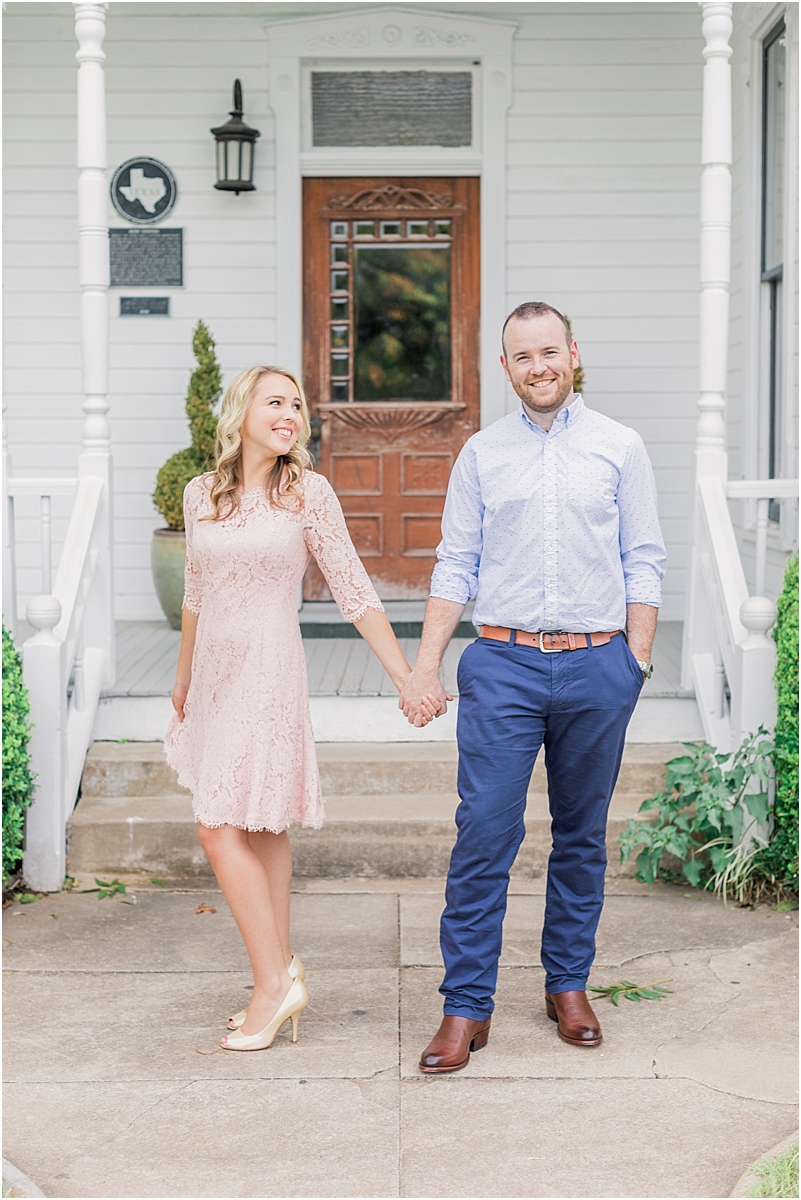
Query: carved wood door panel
point(391, 312)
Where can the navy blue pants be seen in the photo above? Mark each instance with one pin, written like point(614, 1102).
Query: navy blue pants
point(512, 700)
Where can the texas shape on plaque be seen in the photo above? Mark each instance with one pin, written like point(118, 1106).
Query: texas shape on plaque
point(148, 191)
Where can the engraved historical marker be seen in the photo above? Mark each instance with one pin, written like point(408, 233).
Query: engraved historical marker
point(143, 190)
point(144, 306)
point(146, 257)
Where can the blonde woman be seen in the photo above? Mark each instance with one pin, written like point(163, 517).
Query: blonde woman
point(241, 737)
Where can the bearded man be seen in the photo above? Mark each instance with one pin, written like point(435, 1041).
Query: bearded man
point(551, 525)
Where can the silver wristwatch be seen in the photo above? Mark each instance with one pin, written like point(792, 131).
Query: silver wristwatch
point(646, 668)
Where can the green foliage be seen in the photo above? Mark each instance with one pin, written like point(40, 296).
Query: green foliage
point(633, 991)
point(578, 374)
point(403, 323)
point(781, 856)
point(205, 386)
point(699, 815)
point(17, 778)
point(777, 1176)
point(105, 889)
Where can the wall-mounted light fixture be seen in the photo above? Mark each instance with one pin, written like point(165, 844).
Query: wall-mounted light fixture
point(235, 141)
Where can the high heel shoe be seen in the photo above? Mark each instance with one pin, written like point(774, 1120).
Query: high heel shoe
point(290, 1009)
point(297, 971)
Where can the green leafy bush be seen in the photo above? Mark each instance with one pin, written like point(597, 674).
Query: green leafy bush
point(205, 387)
point(700, 818)
point(17, 778)
point(780, 859)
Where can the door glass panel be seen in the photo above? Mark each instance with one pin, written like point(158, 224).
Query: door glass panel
point(403, 322)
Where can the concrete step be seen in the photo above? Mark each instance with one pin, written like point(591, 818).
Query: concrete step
point(389, 811)
point(370, 768)
point(372, 835)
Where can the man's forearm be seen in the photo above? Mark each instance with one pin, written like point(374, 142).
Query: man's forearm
point(640, 629)
point(441, 619)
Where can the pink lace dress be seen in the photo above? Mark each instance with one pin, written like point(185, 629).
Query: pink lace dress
point(245, 749)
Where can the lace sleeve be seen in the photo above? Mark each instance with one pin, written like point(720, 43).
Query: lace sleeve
point(327, 538)
point(193, 574)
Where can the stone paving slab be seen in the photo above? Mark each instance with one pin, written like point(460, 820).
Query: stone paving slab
point(662, 922)
point(157, 1027)
point(113, 1013)
point(163, 932)
point(524, 1043)
point(565, 1137)
point(230, 1137)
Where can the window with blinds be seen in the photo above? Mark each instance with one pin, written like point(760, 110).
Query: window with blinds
point(392, 108)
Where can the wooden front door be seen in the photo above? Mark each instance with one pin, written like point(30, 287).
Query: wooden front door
point(391, 312)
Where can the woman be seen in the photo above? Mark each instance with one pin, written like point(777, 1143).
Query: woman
point(241, 737)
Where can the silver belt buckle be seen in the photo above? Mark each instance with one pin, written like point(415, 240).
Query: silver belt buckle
point(550, 633)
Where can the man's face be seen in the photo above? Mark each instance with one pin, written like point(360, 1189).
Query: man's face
point(539, 362)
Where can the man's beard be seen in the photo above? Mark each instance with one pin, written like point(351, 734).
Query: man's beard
point(524, 393)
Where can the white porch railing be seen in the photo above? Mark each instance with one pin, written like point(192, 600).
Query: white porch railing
point(70, 656)
point(728, 657)
point(66, 662)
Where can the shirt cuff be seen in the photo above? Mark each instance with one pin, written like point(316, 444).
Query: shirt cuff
point(450, 585)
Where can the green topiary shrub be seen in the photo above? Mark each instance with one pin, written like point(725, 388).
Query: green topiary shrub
point(578, 374)
point(205, 387)
point(17, 778)
point(781, 857)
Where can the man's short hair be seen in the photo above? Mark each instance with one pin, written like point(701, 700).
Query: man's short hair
point(535, 308)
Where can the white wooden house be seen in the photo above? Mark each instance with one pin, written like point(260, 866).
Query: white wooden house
point(635, 164)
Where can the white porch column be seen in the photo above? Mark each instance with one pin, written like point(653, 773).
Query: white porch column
point(716, 138)
point(93, 251)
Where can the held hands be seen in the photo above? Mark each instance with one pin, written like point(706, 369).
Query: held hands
point(422, 698)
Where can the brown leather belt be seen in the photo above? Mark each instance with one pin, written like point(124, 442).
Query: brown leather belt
point(548, 641)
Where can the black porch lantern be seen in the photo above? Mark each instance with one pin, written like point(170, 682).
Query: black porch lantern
point(235, 142)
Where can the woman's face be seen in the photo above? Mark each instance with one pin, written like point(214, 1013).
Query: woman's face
point(274, 421)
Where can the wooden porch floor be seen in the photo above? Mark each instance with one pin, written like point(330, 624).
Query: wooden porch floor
point(147, 653)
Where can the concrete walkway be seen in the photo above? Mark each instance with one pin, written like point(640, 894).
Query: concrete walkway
point(115, 1088)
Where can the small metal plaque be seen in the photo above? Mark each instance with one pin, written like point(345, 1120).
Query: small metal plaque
point(146, 257)
point(143, 190)
point(144, 306)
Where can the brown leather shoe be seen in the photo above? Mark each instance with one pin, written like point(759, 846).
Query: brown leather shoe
point(576, 1023)
point(449, 1049)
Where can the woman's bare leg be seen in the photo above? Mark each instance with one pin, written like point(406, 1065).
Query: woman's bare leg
point(244, 883)
point(275, 854)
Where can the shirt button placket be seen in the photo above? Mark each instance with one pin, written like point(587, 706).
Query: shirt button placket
point(549, 531)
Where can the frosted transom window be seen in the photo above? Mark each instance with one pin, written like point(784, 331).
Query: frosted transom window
point(392, 108)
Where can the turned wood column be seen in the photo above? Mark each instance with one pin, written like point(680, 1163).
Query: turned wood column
point(715, 247)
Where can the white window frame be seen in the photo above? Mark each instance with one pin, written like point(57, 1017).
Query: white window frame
point(756, 375)
point(397, 38)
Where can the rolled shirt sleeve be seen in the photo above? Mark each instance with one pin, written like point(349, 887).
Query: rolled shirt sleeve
point(455, 576)
point(642, 548)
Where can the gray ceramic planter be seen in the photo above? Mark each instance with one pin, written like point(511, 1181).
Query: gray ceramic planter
point(167, 559)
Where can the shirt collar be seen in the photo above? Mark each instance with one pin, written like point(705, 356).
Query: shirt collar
point(565, 417)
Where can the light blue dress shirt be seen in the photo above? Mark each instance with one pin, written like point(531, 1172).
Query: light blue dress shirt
point(552, 529)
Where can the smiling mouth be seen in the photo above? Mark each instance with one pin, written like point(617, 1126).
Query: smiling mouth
point(284, 433)
point(543, 383)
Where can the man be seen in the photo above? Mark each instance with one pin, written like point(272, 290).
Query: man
point(551, 524)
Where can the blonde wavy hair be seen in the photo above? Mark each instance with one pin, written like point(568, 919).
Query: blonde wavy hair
point(281, 484)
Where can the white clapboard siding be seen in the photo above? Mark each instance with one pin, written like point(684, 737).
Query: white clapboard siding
point(603, 173)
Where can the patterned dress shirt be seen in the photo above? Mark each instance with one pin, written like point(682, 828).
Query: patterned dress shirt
point(553, 529)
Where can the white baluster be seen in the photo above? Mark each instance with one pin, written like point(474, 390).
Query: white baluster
point(761, 547)
point(715, 240)
point(9, 557)
point(44, 861)
point(78, 676)
point(47, 544)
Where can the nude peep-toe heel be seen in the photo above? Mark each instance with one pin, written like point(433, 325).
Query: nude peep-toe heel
point(297, 971)
point(291, 1007)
